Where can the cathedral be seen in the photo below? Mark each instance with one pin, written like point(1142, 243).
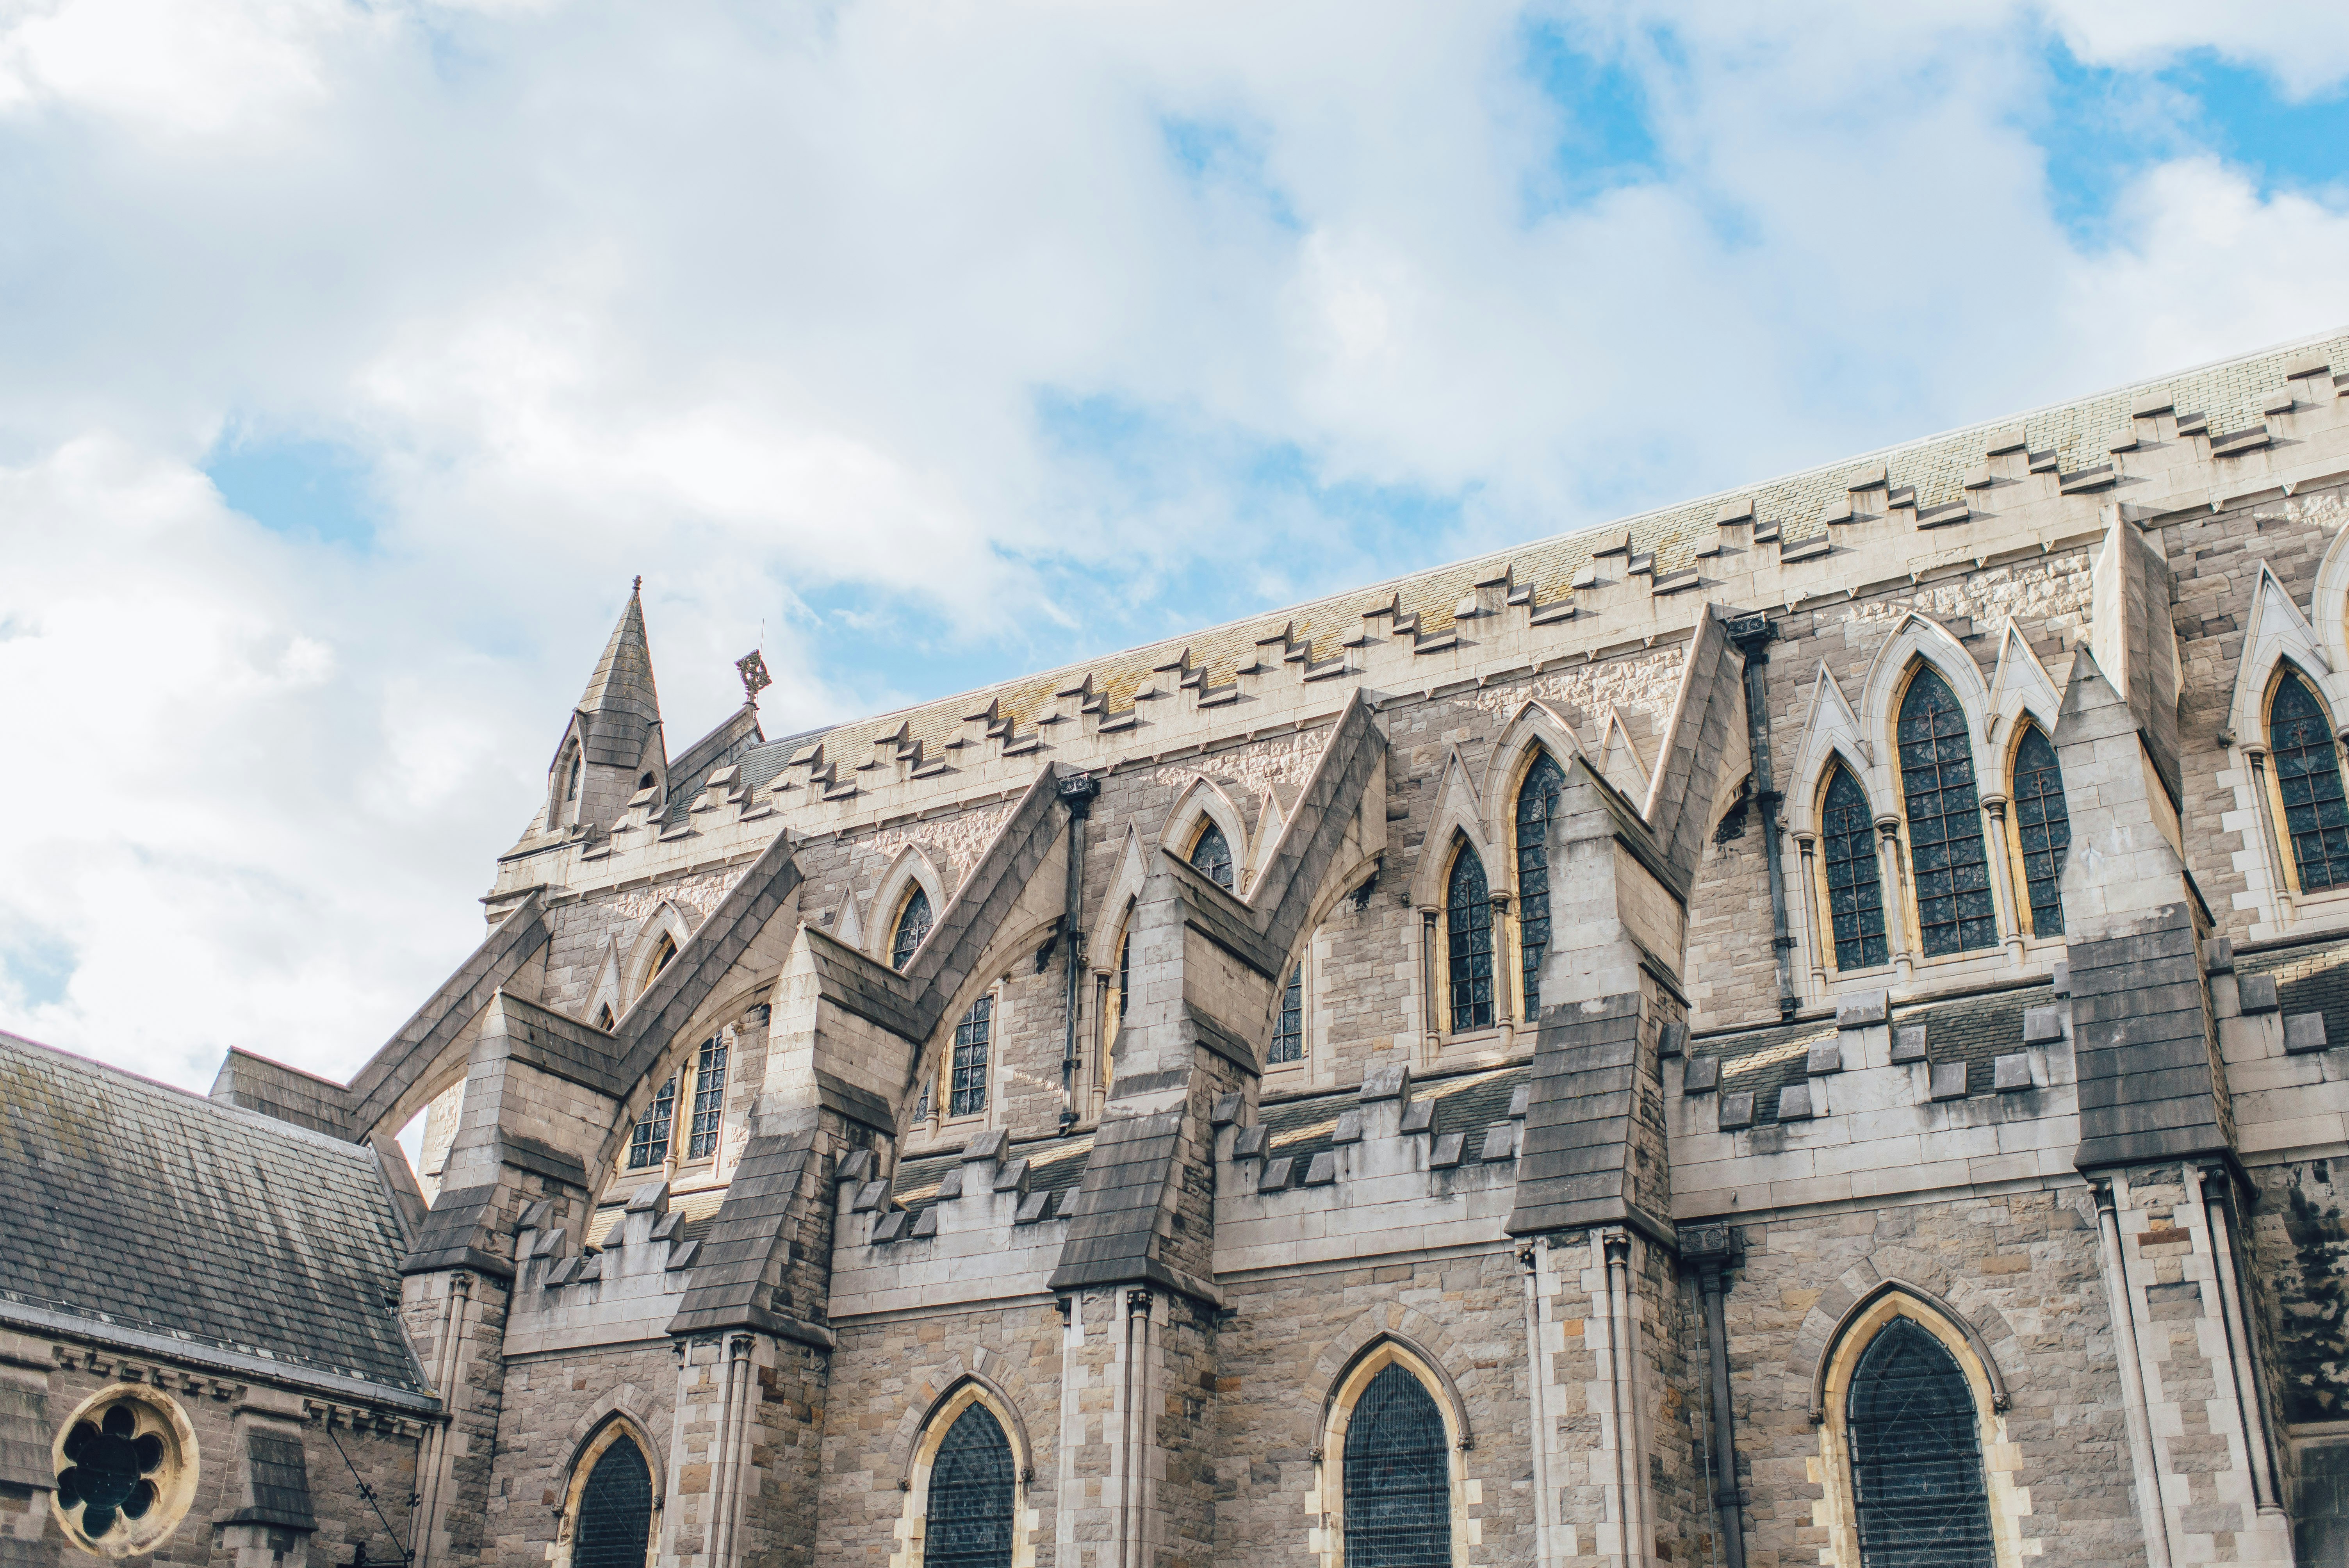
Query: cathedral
point(1792, 1028)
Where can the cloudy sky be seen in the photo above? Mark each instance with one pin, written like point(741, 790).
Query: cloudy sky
point(353, 358)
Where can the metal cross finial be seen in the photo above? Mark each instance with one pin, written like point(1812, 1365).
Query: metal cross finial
point(755, 679)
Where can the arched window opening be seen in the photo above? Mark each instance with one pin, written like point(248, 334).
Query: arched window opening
point(1398, 1477)
point(603, 1019)
point(967, 1093)
point(1468, 924)
point(1288, 1033)
point(1536, 798)
point(2043, 829)
point(648, 1145)
point(1946, 856)
point(1211, 853)
point(913, 925)
point(1917, 1480)
point(664, 955)
point(645, 780)
point(570, 784)
point(1854, 889)
point(969, 1523)
point(615, 1510)
point(2308, 782)
point(708, 1098)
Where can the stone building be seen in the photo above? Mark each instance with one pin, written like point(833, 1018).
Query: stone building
point(1799, 1027)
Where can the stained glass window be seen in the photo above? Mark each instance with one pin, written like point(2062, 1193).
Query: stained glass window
point(1213, 855)
point(913, 925)
point(708, 1098)
point(1288, 1034)
point(2044, 827)
point(2308, 777)
point(1536, 798)
point(1398, 1477)
point(615, 1510)
point(1915, 1456)
point(648, 1145)
point(1468, 923)
point(1954, 914)
point(967, 1093)
point(1855, 890)
point(969, 1523)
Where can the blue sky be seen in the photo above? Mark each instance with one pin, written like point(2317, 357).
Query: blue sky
point(358, 356)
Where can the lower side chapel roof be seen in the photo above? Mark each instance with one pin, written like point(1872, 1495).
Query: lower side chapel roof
point(131, 1206)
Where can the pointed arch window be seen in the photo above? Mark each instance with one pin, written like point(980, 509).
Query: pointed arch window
point(971, 1501)
point(1917, 1480)
point(664, 955)
point(1288, 1033)
point(1468, 930)
point(2308, 784)
point(966, 1092)
point(1537, 800)
point(1855, 887)
point(1211, 853)
point(615, 1510)
point(1945, 831)
point(648, 1145)
point(603, 1019)
point(708, 1098)
point(913, 925)
point(1398, 1477)
point(2043, 829)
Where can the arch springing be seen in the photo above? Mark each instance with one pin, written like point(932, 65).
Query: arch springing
point(1537, 800)
point(1954, 913)
point(913, 925)
point(616, 1510)
point(1468, 924)
point(971, 1495)
point(2042, 828)
point(1918, 1486)
point(1855, 887)
point(1212, 854)
point(1398, 1477)
point(2308, 780)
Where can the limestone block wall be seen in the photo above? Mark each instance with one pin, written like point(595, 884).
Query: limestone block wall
point(2022, 1267)
point(555, 1402)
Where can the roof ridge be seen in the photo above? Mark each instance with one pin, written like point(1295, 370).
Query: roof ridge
point(357, 1151)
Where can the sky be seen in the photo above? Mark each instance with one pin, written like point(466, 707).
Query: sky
point(355, 357)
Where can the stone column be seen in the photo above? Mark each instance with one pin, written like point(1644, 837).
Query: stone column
point(2273, 851)
point(2002, 876)
point(1822, 941)
point(1892, 873)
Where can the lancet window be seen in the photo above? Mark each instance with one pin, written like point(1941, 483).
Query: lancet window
point(648, 1145)
point(1917, 1480)
point(1398, 1477)
point(1855, 887)
point(913, 925)
point(708, 1098)
point(1954, 911)
point(970, 1501)
point(1536, 798)
point(615, 1510)
point(1212, 854)
point(2043, 829)
point(1468, 929)
point(2308, 783)
point(1288, 1033)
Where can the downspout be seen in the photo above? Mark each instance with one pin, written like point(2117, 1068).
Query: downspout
point(1709, 1248)
point(2153, 1518)
point(1078, 794)
point(1753, 635)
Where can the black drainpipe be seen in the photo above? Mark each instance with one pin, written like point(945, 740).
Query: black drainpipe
point(1753, 634)
point(1077, 793)
point(1711, 1251)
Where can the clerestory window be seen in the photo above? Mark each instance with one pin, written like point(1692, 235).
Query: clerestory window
point(1946, 855)
point(1468, 931)
point(1398, 1477)
point(1211, 853)
point(648, 1145)
point(1537, 800)
point(2308, 784)
point(2043, 829)
point(1855, 887)
point(913, 925)
point(1288, 1033)
point(967, 1091)
point(708, 1098)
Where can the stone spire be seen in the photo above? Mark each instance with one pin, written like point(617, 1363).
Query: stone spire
point(614, 740)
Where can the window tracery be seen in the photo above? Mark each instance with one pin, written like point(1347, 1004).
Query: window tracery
point(1919, 1493)
point(616, 1510)
point(1468, 926)
point(648, 1144)
point(708, 1098)
point(1537, 800)
point(125, 1463)
point(1288, 1031)
point(1946, 854)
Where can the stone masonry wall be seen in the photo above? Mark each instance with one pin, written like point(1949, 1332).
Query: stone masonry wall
point(553, 1405)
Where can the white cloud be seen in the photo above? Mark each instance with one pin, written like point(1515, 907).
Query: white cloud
point(764, 304)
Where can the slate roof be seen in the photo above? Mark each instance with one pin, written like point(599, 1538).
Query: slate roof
point(2073, 435)
point(1468, 1103)
point(1974, 1030)
point(130, 1204)
point(1054, 1165)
